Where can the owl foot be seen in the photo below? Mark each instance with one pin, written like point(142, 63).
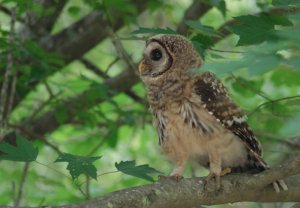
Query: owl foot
point(176, 178)
point(213, 176)
point(217, 177)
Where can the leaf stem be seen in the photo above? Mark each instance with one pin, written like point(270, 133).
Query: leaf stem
point(116, 171)
point(77, 185)
point(53, 169)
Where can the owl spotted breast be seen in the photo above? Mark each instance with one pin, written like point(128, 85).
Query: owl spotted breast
point(193, 114)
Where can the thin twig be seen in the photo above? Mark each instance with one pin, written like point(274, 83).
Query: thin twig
point(122, 53)
point(4, 97)
point(102, 142)
point(91, 66)
point(21, 186)
point(43, 105)
point(111, 64)
point(51, 94)
point(272, 102)
point(5, 10)
point(12, 92)
point(225, 51)
point(53, 169)
point(29, 133)
point(243, 84)
point(276, 138)
point(87, 187)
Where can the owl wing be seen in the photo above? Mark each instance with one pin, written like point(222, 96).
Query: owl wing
point(215, 99)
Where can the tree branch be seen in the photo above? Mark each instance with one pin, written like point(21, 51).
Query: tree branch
point(91, 66)
point(42, 25)
point(191, 193)
point(84, 34)
point(194, 12)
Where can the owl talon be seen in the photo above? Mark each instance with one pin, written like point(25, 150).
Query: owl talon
point(217, 177)
point(213, 176)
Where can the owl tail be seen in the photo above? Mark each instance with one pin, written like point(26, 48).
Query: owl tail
point(256, 164)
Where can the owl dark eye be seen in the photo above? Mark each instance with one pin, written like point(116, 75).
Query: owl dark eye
point(155, 54)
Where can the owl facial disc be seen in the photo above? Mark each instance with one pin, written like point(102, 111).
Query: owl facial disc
point(156, 61)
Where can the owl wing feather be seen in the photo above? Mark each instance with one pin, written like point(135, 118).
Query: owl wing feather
point(215, 99)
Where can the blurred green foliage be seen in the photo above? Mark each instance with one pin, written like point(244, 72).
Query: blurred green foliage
point(258, 60)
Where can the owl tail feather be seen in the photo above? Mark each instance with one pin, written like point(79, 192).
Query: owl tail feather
point(260, 165)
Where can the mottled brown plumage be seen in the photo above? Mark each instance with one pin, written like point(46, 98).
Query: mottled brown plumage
point(193, 114)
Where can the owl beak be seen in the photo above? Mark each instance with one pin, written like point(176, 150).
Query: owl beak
point(144, 68)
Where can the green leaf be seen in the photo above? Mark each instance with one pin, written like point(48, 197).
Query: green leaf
point(121, 6)
point(200, 49)
point(79, 165)
point(286, 77)
point(153, 5)
point(61, 115)
point(261, 64)
point(24, 151)
point(257, 29)
point(222, 8)
point(204, 29)
point(205, 40)
point(286, 2)
point(220, 5)
point(74, 10)
point(144, 30)
point(112, 139)
point(141, 171)
point(255, 61)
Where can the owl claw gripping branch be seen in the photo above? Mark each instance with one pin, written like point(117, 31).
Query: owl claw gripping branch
point(193, 114)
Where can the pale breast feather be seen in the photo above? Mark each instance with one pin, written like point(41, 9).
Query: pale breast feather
point(215, 99)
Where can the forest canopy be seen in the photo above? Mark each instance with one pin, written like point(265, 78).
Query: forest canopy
point(74, 117)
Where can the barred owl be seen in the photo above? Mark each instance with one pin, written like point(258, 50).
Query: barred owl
point(193, 114)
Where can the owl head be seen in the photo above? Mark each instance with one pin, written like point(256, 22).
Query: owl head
point(167, 54)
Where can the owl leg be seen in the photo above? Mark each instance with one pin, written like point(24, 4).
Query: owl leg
point(215, 170)
point(177, 172)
